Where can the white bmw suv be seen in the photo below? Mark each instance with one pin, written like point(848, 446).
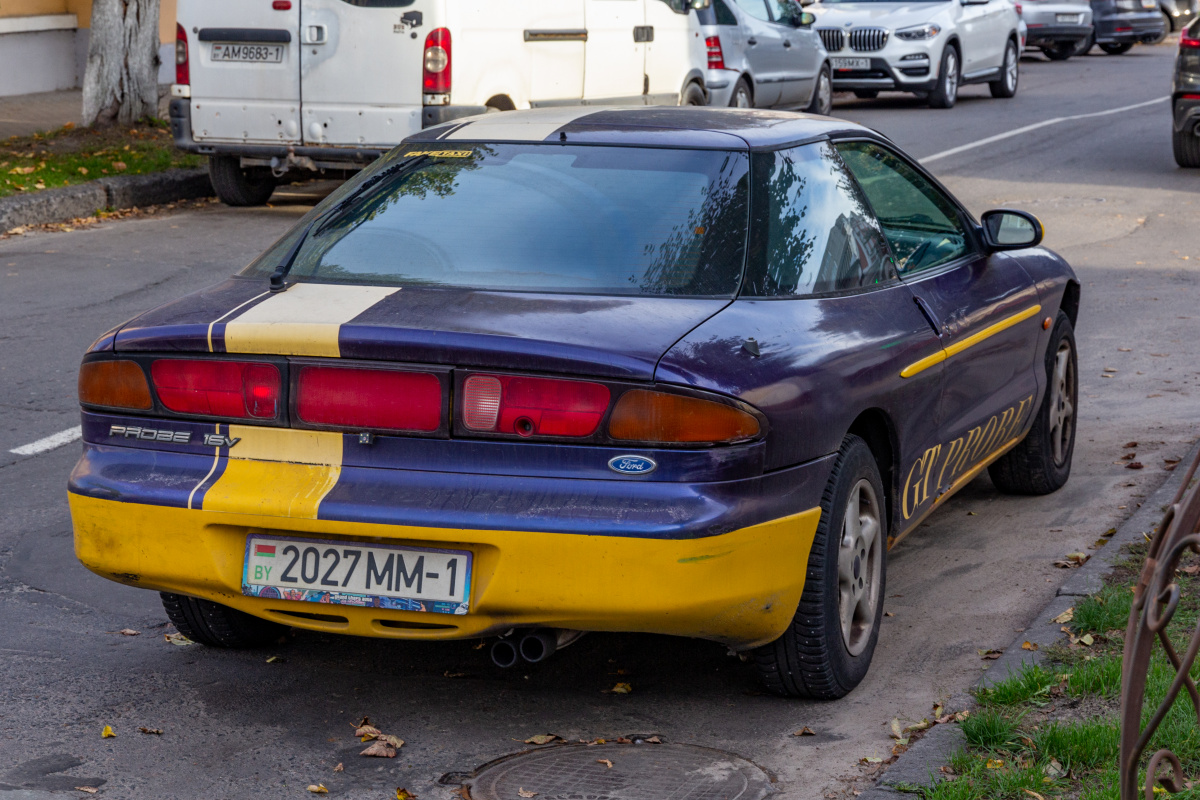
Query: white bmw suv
point(928, 47)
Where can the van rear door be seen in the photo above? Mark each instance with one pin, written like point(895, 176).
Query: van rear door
point(245, 70)
point(616, 51)
point(360, 70)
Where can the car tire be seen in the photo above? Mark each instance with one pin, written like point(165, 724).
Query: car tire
point(693, 95)
point(866, 94)
point(1041, 462)
point(1186, 145)
point(1060, 51)
point(945, 93)
point(819, 656)
point(236, 186)
point(742, 96)
point(822, 97)
point(1116, 48)
point(1085, 46)
point(216, 625)
point(1010, 73)
point(1167, 28)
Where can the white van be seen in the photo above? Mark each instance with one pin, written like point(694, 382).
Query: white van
point(273, 85)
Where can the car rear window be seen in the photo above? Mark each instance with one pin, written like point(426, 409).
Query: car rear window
point(546, 218)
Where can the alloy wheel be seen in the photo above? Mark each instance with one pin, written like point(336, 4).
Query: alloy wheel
point(824, 94)
point(951, 76)
point(860, 560)
point(1062, 403)
point(1010, 66)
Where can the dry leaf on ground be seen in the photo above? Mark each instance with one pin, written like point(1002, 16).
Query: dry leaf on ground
point(525, 793)
point(107, 733)
point(405, 794)
point(994, 763)
point(805, 731)
point(654, 740)
point(1033, 794)
point(339, 767)
point(88, 789)
point(380, 749)
point(624, 740)
point(1030, 646)
point(990, 655)
point(606, 762)
point(919, 726)
point(621, 688)
point(317, 788)
point(543, 738)
point(151, 731)
point(870, 760)
point(1135, 465)
point(177, 639)
point(900, 747)
point(128, 632)
point(1072, 560)
point(1054, 769)
point(367, 732)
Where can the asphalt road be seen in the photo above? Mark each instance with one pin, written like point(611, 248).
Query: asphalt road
point(978, 570)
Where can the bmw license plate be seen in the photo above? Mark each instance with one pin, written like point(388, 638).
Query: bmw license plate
point(1072, 19)
point(346, 573)
point(851, 63)
point(253, 53)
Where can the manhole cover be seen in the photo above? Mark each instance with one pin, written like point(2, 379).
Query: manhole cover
point(638, 772)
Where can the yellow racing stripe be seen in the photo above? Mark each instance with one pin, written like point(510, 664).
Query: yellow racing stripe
point(968, 342)
point(303, 321)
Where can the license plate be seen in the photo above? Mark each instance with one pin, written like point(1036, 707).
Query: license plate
point(851, 63)
point(1069, 18)
point(346, 573)
point(253, 53)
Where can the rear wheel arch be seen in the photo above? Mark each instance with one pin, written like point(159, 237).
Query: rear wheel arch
point(501, 102)
point(875, 428)
point(1070, 302)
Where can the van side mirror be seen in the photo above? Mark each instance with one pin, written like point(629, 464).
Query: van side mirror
point(1009, 229)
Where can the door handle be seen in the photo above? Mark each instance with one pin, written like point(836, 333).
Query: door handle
point(316, 34)
point(752, 41)
point(643, 33)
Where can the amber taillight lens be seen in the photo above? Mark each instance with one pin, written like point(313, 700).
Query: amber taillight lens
point(114, 384)
point(645, 416)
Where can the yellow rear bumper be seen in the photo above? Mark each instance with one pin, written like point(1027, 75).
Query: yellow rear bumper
point(740, 588)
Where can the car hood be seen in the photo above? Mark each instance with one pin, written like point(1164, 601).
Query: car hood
point(601, 336)
point(887, 15)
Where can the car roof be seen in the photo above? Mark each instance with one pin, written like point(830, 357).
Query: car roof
point(664, 126)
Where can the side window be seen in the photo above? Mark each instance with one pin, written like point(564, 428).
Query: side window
point(723, 14)
point(755, 8)
point(813, 231)
point(783, 10)
point(920, 222)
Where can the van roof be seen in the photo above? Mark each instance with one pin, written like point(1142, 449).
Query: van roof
point(683, 126)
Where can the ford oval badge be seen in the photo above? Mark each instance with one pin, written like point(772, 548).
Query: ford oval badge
point(632, 465)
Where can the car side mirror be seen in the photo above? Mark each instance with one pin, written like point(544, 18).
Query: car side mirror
point(1009, 229)
point(804, 19)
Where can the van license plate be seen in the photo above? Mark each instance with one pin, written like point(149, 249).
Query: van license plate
point(347, 573)
point(1073, 19)
point(851, 63)
point(253, 53)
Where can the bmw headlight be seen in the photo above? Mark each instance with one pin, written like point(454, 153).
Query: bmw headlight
point(919, 32)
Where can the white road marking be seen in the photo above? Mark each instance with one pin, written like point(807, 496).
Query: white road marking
point(50, 442)
point(953, 151)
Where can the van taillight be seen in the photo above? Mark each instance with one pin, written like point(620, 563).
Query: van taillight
point(1188, 42)
point(183, 74)
point(217, 388)
point(436, 73)
point(716, 57)
point(533, 406)
point(374, 399)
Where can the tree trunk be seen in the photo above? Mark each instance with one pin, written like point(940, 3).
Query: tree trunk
point(121, 82)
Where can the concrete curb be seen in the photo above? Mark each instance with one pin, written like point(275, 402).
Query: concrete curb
point(124, 191)
point(919, 764)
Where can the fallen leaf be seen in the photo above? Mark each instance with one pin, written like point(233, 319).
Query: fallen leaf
point(621, 688)
point(919, 726)
point(88, 789)
point(994, 763)
point(1054, 769)
point(592, 742)
point(128, 632)
point(990, 655)
point(1129, 456)
point(1096, 545)
point(119, 166)
point(449, 674)
point(83, 170)
point(367, 732)
point(394, 741)
point(900, 747)
point(1111, 531)
point(1086, 640)
point(654, 740)
point(380, 749)
point(543, 738)
point(21, 170)
point(888, 614)
point(1192, 570)
point(317, 788)
point(523, 793)
point(339, 768)
point(107, 733)
point(151, 731)
point(895, 726)
point(947, 770)
point(972, 514)
point(624, 740)
point(805, 731)
point(1135, 465)
point(870, 760)
point(1031, 646)
point(1065, 616)
point(1130, 444)
point(606, 762)
point(177, 639)
point(938, 710)
point(405, 794)
point(1033, 794)
point(273, 659)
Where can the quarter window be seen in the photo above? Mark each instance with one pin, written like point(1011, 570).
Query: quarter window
point(921, 223)
point(755, 8)
point(813, 233)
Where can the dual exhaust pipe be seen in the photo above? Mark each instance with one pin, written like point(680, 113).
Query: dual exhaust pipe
point(530, 646)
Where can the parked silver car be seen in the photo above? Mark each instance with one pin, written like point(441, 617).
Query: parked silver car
point(764, 53)
point(1057, 28)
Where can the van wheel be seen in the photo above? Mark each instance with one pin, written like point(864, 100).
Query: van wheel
point(1117, 48)
point(1186, 144)
point(1041, 462)
point(236, 186)
point(693, 95)
point(741, 97)
point(216, 625)
point(822, 98)
point(1060, 51)
point(945, 94)
point(827, 649)
point(1010, 72)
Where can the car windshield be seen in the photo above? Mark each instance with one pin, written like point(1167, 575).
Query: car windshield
point(547, 218)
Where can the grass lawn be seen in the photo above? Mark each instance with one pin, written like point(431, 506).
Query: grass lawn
point(1051, 731)
point(73, 155)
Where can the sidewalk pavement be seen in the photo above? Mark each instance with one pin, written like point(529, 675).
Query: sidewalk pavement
point(23, 114)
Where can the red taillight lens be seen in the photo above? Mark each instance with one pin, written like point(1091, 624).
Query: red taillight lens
point(533, 406)
point(436, 72)
point(114, 384)
point(645, 416)
point(1188, 42)
point(369, 398)
point(282, 5)
point(183, 74)
point(218, 388)
point(716, 57)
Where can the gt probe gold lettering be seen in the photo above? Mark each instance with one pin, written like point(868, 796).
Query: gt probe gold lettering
point(442, 153)
point(150, 434)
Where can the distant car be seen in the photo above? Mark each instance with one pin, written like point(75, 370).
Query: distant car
point(764, 53)
point(928, 47)
point(1185, 98)
point(684, 371)
point(1120, 24)
point(1058, 29)
point(1178, 14)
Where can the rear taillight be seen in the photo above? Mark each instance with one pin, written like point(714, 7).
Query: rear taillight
point(239, 389)
point(114, 384)
point(645, 416)
point(1188, 42)
point(183, 74)
point(373, 399)
point(282, 5)
point(436, 73)
point(533, 406)
point(716, 58)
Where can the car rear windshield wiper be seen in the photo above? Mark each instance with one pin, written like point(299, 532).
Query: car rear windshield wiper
point(285, 265)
